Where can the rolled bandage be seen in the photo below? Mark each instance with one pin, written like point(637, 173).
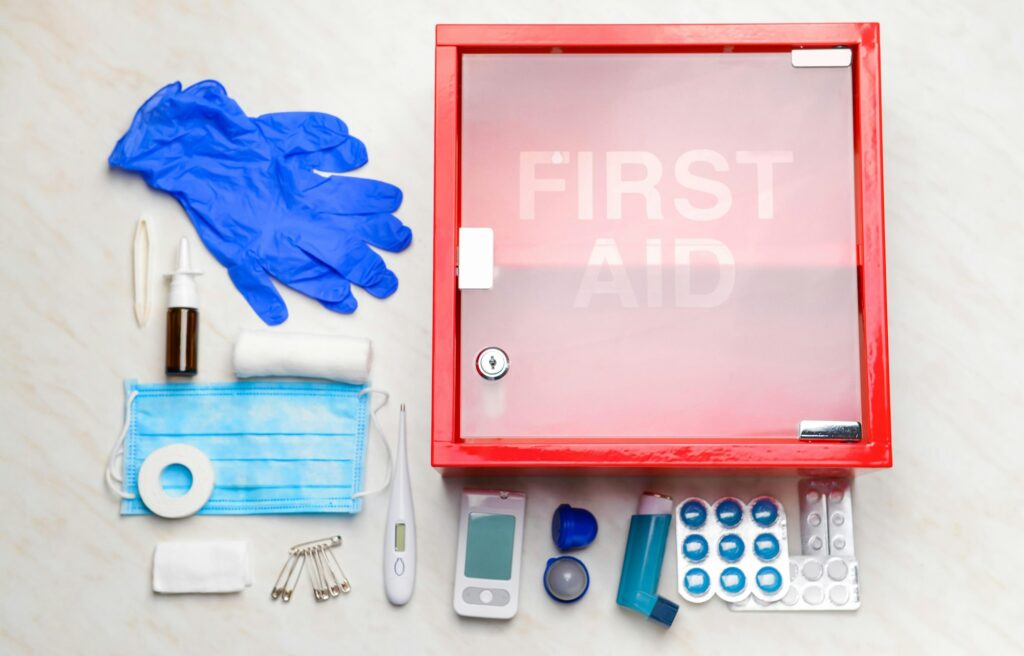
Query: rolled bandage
point(261, 353)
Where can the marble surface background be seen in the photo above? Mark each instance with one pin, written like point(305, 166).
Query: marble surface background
point(938, 537)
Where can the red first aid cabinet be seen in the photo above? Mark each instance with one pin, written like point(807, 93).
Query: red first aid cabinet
point(659, 247)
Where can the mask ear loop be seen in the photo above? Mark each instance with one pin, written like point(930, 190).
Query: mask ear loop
point(115, 461)
point(383, 439)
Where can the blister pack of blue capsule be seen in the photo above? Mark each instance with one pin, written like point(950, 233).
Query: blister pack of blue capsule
point(731, 549)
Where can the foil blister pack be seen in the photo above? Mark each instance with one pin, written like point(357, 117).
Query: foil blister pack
point(732, 550)
point(825, 575)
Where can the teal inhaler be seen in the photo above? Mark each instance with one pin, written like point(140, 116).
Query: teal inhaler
point(641, 566)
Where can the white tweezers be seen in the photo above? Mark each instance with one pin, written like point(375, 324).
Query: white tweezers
point(141, 272)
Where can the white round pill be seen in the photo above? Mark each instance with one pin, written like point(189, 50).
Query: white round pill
point(815, 543)
point(839, 519)
point(839, 595)
point(839, 542)
point(791, 597)
point(835, 496)
point(813, 595)
point(837, 570)
point(813, 496)
point(814, 519)
point(812, 570)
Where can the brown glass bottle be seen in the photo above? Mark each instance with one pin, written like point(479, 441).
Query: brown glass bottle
point(182, 341)
point(182, 357)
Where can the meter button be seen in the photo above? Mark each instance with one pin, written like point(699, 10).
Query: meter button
point(486, 597)
point(492, 363)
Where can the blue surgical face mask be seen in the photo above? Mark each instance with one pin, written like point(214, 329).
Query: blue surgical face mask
point(275, 447)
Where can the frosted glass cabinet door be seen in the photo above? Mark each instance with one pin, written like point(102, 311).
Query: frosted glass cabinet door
point(674, 247)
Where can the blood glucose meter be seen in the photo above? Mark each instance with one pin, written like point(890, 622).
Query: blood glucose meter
point(489, 553)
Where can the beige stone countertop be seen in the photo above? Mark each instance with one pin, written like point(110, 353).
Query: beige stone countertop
point(938, 537)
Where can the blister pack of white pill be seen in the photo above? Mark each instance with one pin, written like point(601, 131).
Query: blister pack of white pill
point(732, 550)
point(814, 585)
point(825, 575)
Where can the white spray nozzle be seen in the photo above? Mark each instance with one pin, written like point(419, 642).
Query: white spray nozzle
point(183, 283)
point(184, 260)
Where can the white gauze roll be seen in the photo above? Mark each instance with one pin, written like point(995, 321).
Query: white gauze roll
point(334, 357)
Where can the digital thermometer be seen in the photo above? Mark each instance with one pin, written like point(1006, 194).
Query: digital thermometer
point(400, 531)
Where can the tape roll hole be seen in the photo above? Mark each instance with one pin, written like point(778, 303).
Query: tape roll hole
point(176, 479)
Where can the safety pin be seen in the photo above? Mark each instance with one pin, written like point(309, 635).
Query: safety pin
point(288, 578)
point(333, 541)
point(339, 582)
point(279, 583)
point(315, 580)
point(298, 562)
point(290, 587)
point(345, 586)
point(326, 590)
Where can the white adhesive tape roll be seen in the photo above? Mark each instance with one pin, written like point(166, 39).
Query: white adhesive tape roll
point(152, 491)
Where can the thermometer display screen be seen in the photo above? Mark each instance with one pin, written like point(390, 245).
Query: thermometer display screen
point(400, 537)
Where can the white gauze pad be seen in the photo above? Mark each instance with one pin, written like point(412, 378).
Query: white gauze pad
point(201, 567)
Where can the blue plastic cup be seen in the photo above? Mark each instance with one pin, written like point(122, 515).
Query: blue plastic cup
point(572, 528)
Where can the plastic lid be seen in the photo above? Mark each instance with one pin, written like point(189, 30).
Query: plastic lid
point(572, 528)
point(664, 611)
point(566, 579)
point(653, 503)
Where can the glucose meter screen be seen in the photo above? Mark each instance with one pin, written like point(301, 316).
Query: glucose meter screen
point(489, 546)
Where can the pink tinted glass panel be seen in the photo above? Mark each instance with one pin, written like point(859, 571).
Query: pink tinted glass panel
point(674, 245)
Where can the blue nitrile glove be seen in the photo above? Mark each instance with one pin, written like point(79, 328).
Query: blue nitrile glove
point(249, 186)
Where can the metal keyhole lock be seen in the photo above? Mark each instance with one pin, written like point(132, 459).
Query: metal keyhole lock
point(492, 363)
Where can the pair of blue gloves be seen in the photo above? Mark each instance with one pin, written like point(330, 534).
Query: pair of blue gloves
point(251, 189)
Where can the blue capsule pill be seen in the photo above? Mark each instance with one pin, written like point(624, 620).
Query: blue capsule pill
point(765, 512)
point(766, 546)
point(696, 581)
point(769, 579)
point(695, 548)
point(729, 513)
point(732, 579)
point(730, 548)
point(693, 514)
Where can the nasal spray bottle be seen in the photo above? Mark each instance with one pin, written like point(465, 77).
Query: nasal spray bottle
point(641, 567)
point(183, 317)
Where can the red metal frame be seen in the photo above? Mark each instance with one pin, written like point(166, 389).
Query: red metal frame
point(454, 455)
